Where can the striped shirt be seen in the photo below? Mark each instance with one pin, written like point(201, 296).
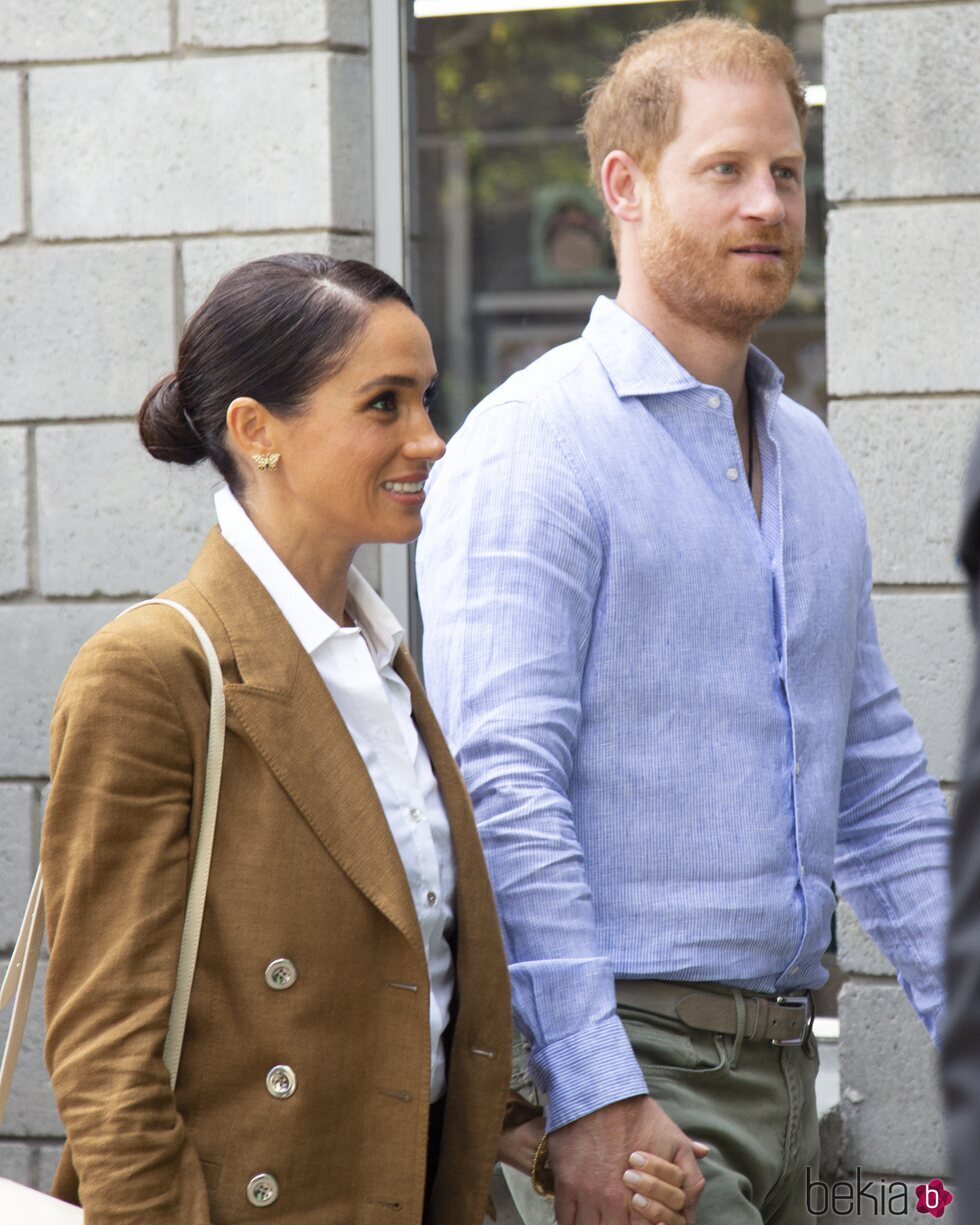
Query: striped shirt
point(675, 721)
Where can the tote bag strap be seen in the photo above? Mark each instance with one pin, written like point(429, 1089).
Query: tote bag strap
point(18, 981)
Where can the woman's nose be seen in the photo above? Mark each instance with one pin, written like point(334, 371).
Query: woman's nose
point(424, 443)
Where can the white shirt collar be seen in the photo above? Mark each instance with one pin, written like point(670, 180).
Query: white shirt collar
point(311, 625)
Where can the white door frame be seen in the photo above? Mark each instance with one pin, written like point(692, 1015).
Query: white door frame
point(389, 120)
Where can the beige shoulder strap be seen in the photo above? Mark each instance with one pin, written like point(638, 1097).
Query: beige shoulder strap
point(18, 981)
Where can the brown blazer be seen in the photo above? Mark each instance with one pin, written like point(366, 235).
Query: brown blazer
point(304, 869)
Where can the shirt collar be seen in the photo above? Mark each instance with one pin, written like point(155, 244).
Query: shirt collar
point(639, 365)
point(308, 621)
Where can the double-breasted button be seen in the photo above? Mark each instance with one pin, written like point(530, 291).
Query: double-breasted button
point(281, 1081)
point(280, 974)
point(262, 1190)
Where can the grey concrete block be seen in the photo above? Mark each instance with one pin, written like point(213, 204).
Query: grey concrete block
point(16, 1161)
point(891, 1106)
point(64, 30)
point(86, 330)
point(251, 23)
point(903, 102)
point(903, 312)
point(908, 460)
point(927, 643)
point(13, 510)
point(857, 953)
point(37, 644)
point(240, 143)
point(204, 260)
point(11, 157)
point(46, 1159)
point(255, 23)
point(349, 22)
point(127, 524)
point(31, 1110)
point(17, 856)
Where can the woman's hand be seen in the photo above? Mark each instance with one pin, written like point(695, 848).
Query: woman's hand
point(657, 1188)
point(517, 1145)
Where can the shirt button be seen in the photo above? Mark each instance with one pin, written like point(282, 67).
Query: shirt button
point(732, 474)
point(714, 401)
point(416, 814)
point(794, 969)
point(431, 898)
point(796, 769)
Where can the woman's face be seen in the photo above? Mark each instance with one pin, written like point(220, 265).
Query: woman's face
point(354, 462)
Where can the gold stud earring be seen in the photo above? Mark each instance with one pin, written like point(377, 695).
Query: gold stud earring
point(267, 461)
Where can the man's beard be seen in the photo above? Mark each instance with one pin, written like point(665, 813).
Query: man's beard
point(701, 281)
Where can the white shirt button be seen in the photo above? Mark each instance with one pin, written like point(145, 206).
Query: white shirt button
point(416, 814)
point(714, 401)
point(794, 969)
point(796, 768)
point(732, 474)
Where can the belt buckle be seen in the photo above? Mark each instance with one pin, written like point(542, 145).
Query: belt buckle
point(796, 1001)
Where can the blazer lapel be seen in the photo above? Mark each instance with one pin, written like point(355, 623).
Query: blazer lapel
point(475, 910)
point(283, 707)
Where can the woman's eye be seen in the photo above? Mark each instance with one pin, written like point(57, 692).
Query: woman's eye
point(386, 402)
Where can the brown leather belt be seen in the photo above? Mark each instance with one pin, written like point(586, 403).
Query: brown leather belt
point(783, 1020)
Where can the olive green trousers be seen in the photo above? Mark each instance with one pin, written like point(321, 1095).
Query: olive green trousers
point(752, 1103)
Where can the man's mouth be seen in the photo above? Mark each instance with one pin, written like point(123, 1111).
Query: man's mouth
point(759, 251)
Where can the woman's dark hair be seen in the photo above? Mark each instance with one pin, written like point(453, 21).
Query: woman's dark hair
point(273, 330)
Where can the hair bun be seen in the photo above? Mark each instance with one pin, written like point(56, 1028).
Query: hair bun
point(166, 429)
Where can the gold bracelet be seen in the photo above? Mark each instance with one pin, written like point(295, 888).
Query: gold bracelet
point(542, 1177)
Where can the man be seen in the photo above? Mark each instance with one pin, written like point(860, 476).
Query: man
point(646, 587)
point(961, 1037)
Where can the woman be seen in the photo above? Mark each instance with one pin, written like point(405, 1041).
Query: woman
point(346, 1051)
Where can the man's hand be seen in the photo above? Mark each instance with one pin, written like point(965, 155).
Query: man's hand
point(588, 1158)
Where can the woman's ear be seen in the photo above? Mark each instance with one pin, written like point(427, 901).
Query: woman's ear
point(251, 427)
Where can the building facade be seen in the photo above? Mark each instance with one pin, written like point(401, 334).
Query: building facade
point(149, 145)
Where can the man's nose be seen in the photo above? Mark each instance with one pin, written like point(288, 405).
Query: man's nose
point(763, 201)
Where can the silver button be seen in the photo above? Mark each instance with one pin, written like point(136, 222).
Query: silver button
point(714, 401)
point(732, 474)
point(416, 814)
point(430, 897)
point(280, 974)
point(262, 1190)
point(281, 1081)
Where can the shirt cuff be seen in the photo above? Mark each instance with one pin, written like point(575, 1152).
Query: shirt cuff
point(586, 1071)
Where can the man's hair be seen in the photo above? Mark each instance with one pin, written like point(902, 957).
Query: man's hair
point(636, 105)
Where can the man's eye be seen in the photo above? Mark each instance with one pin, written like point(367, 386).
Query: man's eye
point(725, 168)
point(786, 173)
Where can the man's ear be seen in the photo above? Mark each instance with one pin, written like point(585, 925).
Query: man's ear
point(621, 180)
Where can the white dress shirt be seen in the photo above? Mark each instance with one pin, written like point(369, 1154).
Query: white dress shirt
point(375, 704)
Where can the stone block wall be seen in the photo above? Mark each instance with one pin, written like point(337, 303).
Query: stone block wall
point(902, 157)
point(147, 146)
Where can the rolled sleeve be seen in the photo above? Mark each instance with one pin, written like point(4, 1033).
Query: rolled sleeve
point(893, 838)
point(509, 570)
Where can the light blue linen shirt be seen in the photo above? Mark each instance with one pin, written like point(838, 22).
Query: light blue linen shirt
point(675, 722)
